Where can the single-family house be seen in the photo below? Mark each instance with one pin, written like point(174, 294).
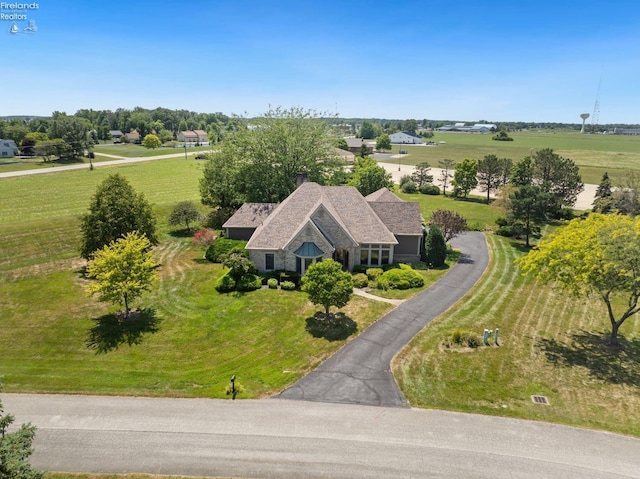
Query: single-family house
point(115, 135)
point(345, 155)
point(133, 137)
point(318, 222)
point(194, 137)
point(404, 137)
point(8, 149)
point(355, 146)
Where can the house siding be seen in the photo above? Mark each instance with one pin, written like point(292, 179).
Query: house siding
point(240, 233)
point(335, 233)
point(307, 234)
point(407, 250)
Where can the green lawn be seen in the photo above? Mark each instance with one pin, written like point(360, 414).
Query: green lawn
point(551, 344)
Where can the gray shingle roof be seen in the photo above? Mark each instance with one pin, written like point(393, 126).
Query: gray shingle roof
point(345, 204)
point(383, 194)
point(402, 218)
point(250, 215)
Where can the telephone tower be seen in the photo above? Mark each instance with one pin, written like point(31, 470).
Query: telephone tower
point(595, 117)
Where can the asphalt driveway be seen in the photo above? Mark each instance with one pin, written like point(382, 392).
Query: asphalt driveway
point(360, 372)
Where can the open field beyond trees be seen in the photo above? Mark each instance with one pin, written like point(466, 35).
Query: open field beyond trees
point(192, 339)
point(594, 154)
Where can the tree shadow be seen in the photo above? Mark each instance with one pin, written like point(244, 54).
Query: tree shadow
point(181, 233)
point(337, 327)
point(612, 364)
point(465, 259)
point(111, 330)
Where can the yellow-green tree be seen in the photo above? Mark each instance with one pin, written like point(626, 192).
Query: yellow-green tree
point(151, 141)
point(598, 256)
point(123, 270)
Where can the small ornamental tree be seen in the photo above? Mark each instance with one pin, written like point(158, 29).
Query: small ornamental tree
point(450, 223)
point(123, 270)
point(238, 264)
point(327, 285)
point(15, 449)
point(185, 212)
point(445, 175)
point(368, 176)
point(151, 141)
point(435, 247)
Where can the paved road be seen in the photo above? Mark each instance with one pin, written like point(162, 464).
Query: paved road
point(294, 439)
point(360, 372)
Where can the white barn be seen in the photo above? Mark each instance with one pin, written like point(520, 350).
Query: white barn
point(403, 137)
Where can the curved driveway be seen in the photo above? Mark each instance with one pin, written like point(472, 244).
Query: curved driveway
point(360, 372)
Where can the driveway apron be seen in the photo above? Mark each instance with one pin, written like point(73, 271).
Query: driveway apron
point(360, 372)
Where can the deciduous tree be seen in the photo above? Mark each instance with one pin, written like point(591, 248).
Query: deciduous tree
point(327, 285)
point(151, 141)
point(368, 176)
point(450, 223)
point(383, 142)
point(185, 212)
point(123, 270)
point(465, 177)
point(115, 210)
point(597, 256)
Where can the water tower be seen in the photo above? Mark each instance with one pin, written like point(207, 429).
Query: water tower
point(584, 117)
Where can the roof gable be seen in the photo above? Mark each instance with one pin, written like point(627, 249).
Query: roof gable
point(383, 194)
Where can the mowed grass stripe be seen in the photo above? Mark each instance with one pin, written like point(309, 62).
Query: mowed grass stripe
point(551, 344)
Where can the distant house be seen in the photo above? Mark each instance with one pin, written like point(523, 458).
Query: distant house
point(194, 137)
point(133, 137)
point(404, 137)
point(345, 155)
point(8, 149)
point(355, 146)
point(115, 135)
point(320, 222)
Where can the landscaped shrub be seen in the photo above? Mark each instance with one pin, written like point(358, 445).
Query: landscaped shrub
point(272, 283)
point(404, 179)
point(249, 282)
point(429, 189)
point(290, 276)
point(374, 273)
point(403, 278)
point(463, 338)
point(225, 284)
point(360, 268)
point(360, 280)
point(409, 187)
point(222, 246)
point(287, 285)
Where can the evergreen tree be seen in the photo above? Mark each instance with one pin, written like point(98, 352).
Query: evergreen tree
point(115, 210)
point(435, 248)
point(604, 201)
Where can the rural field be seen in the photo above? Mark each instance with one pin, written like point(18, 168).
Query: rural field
point(594, 154)
point(191, 339)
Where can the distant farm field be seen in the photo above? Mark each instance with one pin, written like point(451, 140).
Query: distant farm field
point(594, 154)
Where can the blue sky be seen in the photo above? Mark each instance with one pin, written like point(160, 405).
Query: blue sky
point(462, 60)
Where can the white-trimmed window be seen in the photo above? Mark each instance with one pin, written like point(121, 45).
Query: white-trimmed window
point(375, 254)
